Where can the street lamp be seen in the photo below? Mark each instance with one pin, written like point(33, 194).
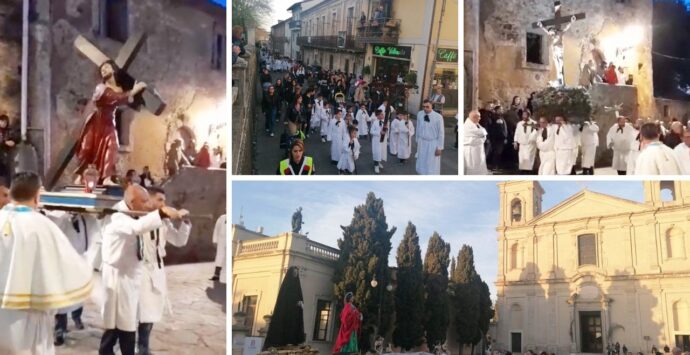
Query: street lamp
point(389, 288)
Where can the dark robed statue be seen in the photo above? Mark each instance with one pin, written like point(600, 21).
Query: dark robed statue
point(297, 221)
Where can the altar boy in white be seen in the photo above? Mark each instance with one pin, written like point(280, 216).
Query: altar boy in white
point(153, 297)
point(40, 272)
point(122, 269)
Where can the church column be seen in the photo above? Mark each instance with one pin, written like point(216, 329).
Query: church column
point(572, 308)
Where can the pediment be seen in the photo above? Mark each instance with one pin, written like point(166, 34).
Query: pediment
point(587, 204)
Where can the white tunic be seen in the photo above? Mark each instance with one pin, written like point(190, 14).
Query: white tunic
point(363, 120)
point(325, 122)
point(589, 139)
point(682, 152)
point(619, 141)
point(315, 121)
point(405, 134)
point(525, 136)
point(547, 154)
point(40, 272)
point(219, 238)
point(378, 148)
point(564, 143)
point(474, 136)
point(395, 136)
point(122, 268)
point(430, 136)
point(349, 155)
point(335, 135)
point(657, 159)
point(153, 300)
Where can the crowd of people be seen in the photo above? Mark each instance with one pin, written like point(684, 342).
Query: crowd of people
point(611, 349)
point(552, 146)
point(342, 110)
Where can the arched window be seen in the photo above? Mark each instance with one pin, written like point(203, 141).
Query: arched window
point(668, 191)
point(675, 245)
point(587, 249)
point(514, 256)
point(681, 316)
point(516, 210)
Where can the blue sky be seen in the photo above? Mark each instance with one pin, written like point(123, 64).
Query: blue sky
point(461, 212)
point(220, 2)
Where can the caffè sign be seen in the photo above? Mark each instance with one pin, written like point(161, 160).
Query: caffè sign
point(447, 55)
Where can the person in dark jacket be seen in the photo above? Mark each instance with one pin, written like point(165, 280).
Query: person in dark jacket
point(270, 106)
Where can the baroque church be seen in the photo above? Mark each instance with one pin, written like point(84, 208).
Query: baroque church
point(593, 271)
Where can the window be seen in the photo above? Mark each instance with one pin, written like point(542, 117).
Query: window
point(218, 55)
point(350, 20)
point(675, 246)
point(681, 316)
point(514, 256)
point(668, 191)
point(249, 308)
point(516, 342)
point(334, 24)
point(115, 19)
point(323, 313)
point(516, 210)
point(534, 46)
point(683, 342)
point(587, 249)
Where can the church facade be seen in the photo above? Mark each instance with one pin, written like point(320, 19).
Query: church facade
point(592, 271)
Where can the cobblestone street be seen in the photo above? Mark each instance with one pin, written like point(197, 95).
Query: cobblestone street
point(197, 325)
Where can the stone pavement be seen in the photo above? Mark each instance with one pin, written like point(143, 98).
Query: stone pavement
point(197, 325)
point(267, 152)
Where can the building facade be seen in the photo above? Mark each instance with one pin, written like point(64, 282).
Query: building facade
point(593, 271)
point(280, 38)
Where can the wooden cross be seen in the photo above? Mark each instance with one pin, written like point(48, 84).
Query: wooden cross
point(149, 98)
point(558, 20)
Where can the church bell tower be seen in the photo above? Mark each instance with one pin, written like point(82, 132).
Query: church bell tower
point(520, 202)
point(666, 193)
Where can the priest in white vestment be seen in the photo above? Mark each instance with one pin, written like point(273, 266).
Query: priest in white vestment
point(589, 140)
point(683, 153)
point(40, 272)
point(525, 141)
point(122, 266)
point(619, 138)
point(474, 136)
point(430, 136)
point(564, 144)
point(219, 236)
point(655, 158)
point(546, 136)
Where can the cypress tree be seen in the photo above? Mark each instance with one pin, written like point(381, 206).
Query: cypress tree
point(436, 290)
point(485, 310)
point(465, 298)
point(409, 295)
point(287, 322)
point(364, 250)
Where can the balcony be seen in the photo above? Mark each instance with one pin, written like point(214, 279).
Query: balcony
point(343, 43)
point(384, 32)
point(295, 25)
point(279, 39)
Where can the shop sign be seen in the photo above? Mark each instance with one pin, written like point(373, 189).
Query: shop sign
point(447, 55)
point(398, 52)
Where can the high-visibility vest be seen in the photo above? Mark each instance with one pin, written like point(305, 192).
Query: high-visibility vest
point(307, 167)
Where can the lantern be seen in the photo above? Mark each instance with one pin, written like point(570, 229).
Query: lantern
point(90, 178)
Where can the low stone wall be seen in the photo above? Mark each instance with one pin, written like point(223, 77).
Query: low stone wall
point(243, 96)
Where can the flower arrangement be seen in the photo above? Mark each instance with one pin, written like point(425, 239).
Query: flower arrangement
point(572, 103)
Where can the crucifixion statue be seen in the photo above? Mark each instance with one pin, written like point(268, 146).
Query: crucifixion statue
point(553, 29)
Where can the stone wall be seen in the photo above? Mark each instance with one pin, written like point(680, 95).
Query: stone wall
point(10, 57)
point(504, 72)
point(677, 109)
point(244, 96)
point(176, 58)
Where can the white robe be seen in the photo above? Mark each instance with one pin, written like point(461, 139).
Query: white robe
point(378, 148)
point(153, 296)
point(657, 159)
point(349, 155)
point(526, 138)
point(682, 152)
point(336, 135)
point(430, 136)
point(405, 134)
point(474, 136)
point(564, 143)
point(40, 272)
point(395, 136)
point(219, 238)
point(363, 120)
point(577, 142)
point(547, 154)
point(122, 269)
point(589, 139)
point(620, 143)
point(325, 122)
point(634, 152)
point(316, 114)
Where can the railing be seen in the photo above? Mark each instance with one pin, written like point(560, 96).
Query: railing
point(281, 39)
point(331, 42)
point(257, 247)
point(384, 31)
point(322, 251)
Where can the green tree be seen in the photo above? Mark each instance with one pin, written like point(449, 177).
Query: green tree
point(436, 290)
point(364, 251)
point(486, 312)
point(465, 298)
point(287, 322)
point(409, 295)
point(250, 13)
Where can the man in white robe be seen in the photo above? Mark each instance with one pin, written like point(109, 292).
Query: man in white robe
point(378, 145)
point(474, 136)
point(395, 135)
point(655, 158)
point(362, 117)
point(564, 143)
point(430, 136)
point(40, 272)
point(619, 139)
point(336, 135)
point(546, 136)
point(683, 153)
point(589, 139)
point(635, 145)
point(219, 236)
point(577, 143)
point(405, 134)
point(524, 141)
point(122, 267)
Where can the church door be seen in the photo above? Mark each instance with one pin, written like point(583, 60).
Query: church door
point(591, 332)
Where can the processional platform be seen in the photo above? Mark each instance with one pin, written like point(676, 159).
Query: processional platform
point(74, 198)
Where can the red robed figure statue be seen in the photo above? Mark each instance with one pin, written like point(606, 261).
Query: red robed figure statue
point(350, 323)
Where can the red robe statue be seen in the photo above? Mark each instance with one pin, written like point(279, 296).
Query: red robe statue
point(350, 322)
point(98, 141)
point(203, 158)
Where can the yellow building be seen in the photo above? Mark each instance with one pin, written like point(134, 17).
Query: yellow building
point(593, 270)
